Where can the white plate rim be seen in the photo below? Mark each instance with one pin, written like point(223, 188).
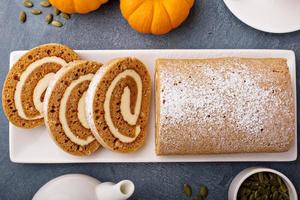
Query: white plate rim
point(289, 54)
point(255, 26)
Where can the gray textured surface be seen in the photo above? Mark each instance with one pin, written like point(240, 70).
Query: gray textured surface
point(210, 25)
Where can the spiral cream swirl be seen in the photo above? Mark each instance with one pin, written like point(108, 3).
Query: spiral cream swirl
point(130, 118)
point(81, 112)
point(39, 88)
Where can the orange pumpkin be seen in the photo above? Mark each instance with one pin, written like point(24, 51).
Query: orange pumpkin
point(155, 16)
point(77, 6)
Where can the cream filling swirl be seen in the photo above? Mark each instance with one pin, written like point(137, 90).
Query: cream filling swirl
point(40, 87)
point(81, 112)
point(125, 105)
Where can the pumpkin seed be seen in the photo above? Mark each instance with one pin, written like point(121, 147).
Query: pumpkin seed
point(254, 186)
point(260, 190)
point(279, 180)
point(66, 16)
point(198, 197)
point(36, 11)
point(274, 181)
point(251, 197)
point(204, 191)
point(261, 177)
point(265, 197)
point(28, 3)
point(56, 23)
point(187, 190)
point(283, 188)
point(255, 176)
point(49, 18)
point(247, 191)
point(45, 3)
point(56, 11)
point(22, 17)
point(275, 195)
point(266, 180)
point(273, 189)
point(285, 196)
point(256, 194)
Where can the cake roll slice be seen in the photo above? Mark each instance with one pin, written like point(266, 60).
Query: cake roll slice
point(26, 82)
point(118, 103)
point(224, 105)
point(64, 107)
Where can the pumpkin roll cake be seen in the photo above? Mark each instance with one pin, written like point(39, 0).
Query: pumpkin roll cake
point(224, 105)
point(64, 107)
point(118, 103)
point(26, 82)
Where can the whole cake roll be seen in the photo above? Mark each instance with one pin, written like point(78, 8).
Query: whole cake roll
point(118, 104)
point(64, 108)
point(223, 105)
point(26, 82)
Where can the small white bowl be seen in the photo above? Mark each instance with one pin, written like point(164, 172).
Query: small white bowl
point(243, 175)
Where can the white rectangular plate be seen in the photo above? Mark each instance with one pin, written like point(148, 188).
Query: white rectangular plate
point(35, 146)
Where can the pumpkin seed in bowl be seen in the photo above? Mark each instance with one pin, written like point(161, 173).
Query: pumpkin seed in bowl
point(263, 186)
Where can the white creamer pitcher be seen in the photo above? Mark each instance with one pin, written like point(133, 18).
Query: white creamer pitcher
point(79, 187)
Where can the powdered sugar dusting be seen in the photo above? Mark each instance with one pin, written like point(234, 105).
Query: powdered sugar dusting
point(227, 106)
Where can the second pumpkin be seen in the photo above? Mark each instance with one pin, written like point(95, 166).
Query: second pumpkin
point(77, 6)
point(155, 16)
